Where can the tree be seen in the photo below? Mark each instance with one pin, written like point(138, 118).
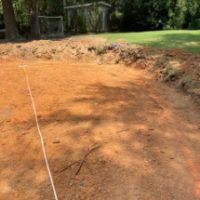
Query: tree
point(52, 7)
point(34, 20)
point(10, 21)
point(126, 15)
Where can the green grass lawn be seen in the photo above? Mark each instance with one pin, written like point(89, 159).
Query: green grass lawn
point(180, 39)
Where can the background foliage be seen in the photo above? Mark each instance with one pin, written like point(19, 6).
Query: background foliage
point(126, 15)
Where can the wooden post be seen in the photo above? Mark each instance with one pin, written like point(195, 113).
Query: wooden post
point(68, 18)
point(64, 4)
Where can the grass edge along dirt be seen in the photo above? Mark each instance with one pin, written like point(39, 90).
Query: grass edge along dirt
point(180, 39)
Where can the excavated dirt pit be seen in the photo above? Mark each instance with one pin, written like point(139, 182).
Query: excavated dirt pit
point(146, 134)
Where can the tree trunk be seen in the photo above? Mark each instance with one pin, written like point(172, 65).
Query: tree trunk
point(34, 20)
point(10, 21)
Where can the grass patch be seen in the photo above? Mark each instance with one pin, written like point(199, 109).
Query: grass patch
point(179, 39)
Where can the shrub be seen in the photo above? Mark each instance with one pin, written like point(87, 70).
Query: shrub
point(171, 73)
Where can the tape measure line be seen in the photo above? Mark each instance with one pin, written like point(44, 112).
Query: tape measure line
point(40, 134)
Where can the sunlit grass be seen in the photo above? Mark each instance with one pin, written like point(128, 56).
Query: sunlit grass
point(180, 39)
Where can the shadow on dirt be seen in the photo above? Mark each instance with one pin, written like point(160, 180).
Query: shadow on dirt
point(139, 138)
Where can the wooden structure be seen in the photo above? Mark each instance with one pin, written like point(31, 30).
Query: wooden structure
point(51, 26)
point(95, 15)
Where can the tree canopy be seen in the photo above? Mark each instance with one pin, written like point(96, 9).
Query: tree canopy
point(126, 15)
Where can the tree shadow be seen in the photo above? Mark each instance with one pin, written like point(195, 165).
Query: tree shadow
point(139, 138)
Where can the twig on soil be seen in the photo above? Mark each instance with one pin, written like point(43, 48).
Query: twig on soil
point(81, 161)
point(125, 130)
point(68, 166)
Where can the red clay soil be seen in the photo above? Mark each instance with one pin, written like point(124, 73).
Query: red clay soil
point(148, 134)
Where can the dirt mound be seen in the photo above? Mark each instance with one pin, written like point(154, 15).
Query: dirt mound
point(49, 49)
point(115, 53)
point(179, 68)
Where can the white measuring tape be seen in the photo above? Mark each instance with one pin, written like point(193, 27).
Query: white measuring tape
point(40, 134)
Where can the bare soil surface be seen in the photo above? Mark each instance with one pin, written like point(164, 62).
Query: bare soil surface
point(139, 137)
